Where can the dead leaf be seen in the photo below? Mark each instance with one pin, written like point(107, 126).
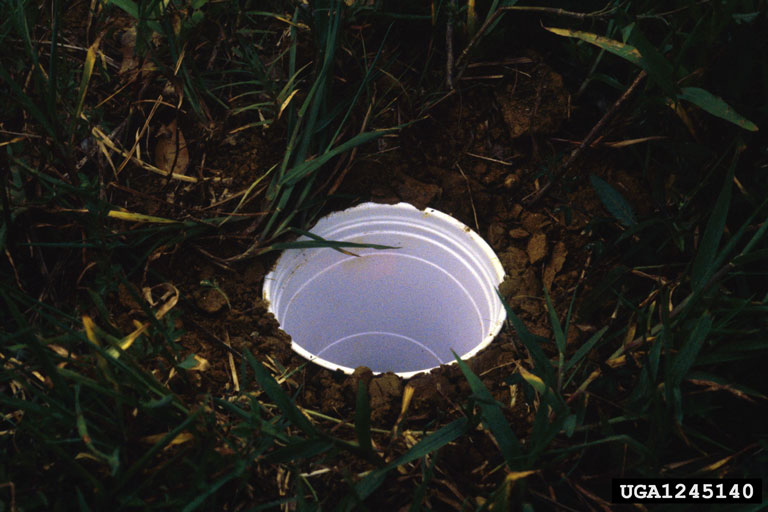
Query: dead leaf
point(171, 153)
point(555, 264)
point(85, 455)
point(131, 65)
point(128, 41)
point(548, 277)
point(180, 438)
point(533, 222)
point(537, 247)
point(407, 396)
point(286, 102)
point(558, 256)
point(514, 260)
point(106, 143)
point(61, 351)
point(716, 465)
point(716, 386)
point(517, 475)
point(202, 364)
point(518, 233)
point(164, 295)
point(496, 232)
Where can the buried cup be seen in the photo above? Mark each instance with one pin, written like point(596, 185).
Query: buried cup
point(404, 310)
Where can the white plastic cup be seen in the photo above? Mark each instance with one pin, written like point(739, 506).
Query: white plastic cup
point(393, 310)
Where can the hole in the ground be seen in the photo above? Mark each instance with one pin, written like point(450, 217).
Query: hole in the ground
point(402, 310)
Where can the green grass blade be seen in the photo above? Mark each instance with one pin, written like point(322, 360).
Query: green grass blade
point(703, 267)
point(492, 25)
point(305, 168)
point(493, 417)
point(725, 253)
point(686, 357)
point(682, 363)
point(147, 456)
point(584, 349)
point(240, 466)
point(95, 482)
point(577, 357)
point(27, 103)
point(544, 431)
point(314, 244)
point(716, 106)
point(557, 330)
point(433, 442)
point(298, 449)
point(279, 397)
point(618, 438)
point(427, 474)
point(326, 25)
point(369, 74)
point(654, 355)
point(81, 501)
point(318, 241)
point(363, 417)
point(282, 195)
point(52, 79)
point(426, 446)
point(531, 342)
point(43, 355)
point(82, 428)
point(132, 9)
point(614, 202)
point(625, 51)
point(658, 67)
point(757, 237)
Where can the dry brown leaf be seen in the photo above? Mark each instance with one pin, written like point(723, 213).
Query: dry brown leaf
point(63, 352)
point(514, 260)
point(716, 465)
point(128, 41)
point(716, 386)
point(129, 66)
point(233, 368)
point(518, 233)
point(86, 455)
point(548, 277)
point(202, 364)
point(537, 247)
point(558, 256)
point(171, 153)
point(533, 222)
point(180, 438)
point(104, 140)
point(164, 295)
point(555, 264)
point(517, 475)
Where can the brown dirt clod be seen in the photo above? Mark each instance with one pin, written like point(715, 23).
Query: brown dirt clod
point(537, 247)
point(534, 104)
point(211, 301)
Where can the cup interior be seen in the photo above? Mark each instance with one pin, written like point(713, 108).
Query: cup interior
point(404, 309)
